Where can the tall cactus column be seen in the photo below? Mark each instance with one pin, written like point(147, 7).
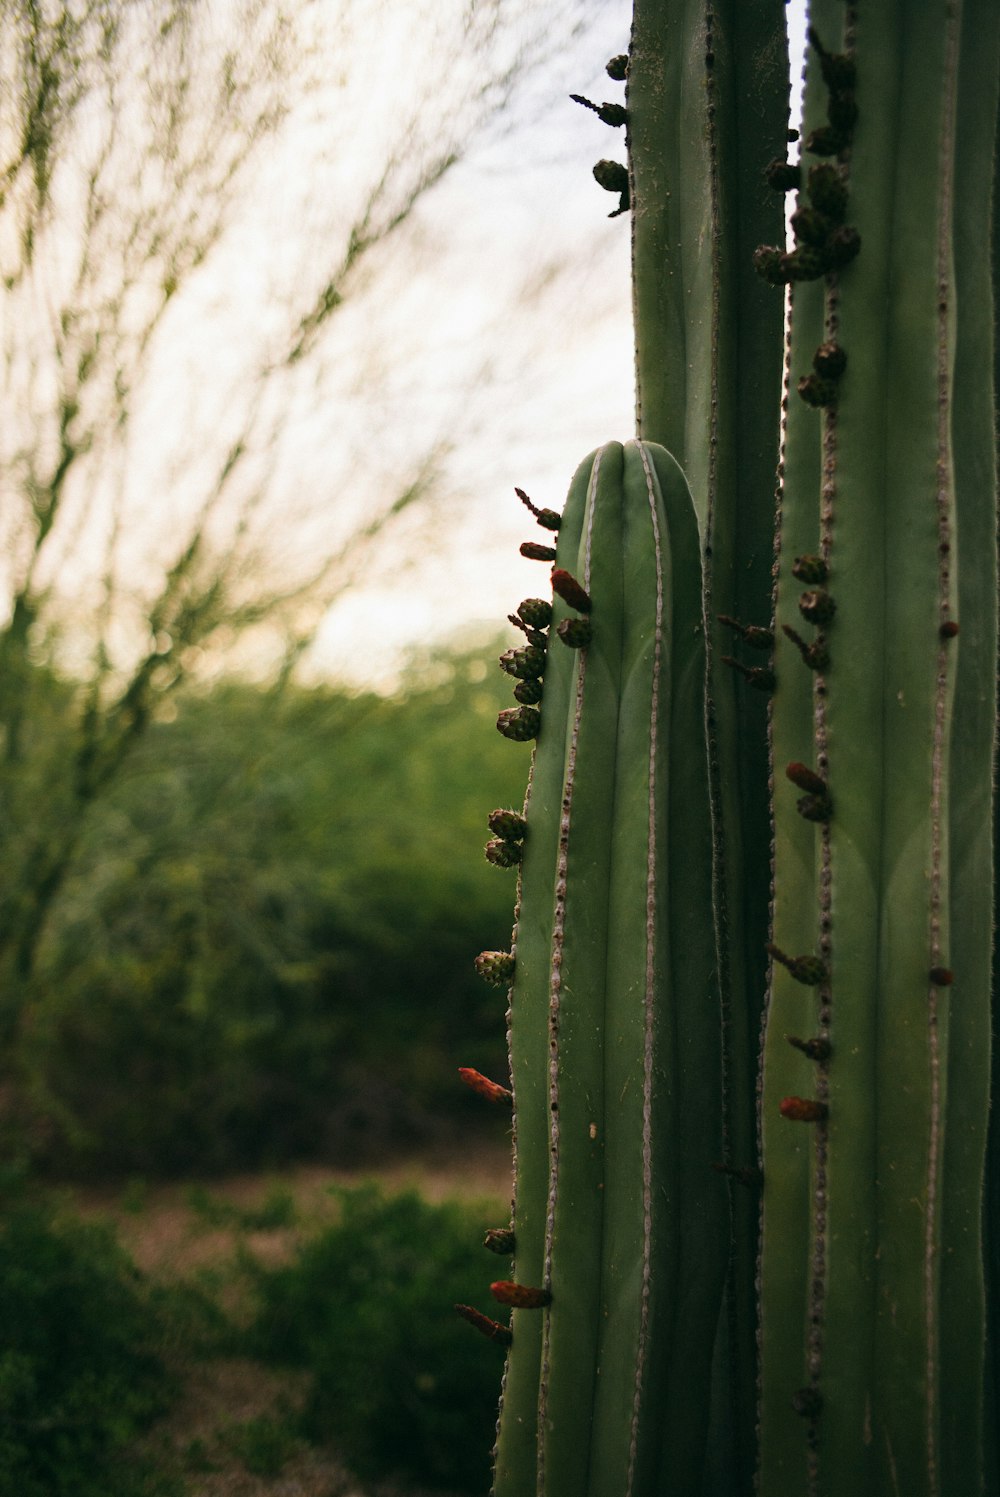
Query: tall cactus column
point(874, 1116)
point(708, 109)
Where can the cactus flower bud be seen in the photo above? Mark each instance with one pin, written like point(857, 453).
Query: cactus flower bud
point(758, 676)
point(535, 552)
point(483, 1086)
point(806, 969)
point(617, 68)
point(769, 262)
point(825, 141)
point(611, 175)
point(816, 1048)
point(843, 245)
point(810, 569)
point(810, 226)
point(608, 114)
point(830, 360)
point(842, 111)
point(520, 1296)
point(491, 1328)
point(496, 968)
point(807, 262)
point(949, 629)
point(547, 518)
point(783, 176)
point(503, 854)
point(520, 724)
point(942, 977)
point(828, 190)
point(817, 606)
point(754, 635)
point(815, 655)
point(574, 632)
point(500, 1240)
point(805, 778)
point(527, 664)
point(816, 391)
point(565, 585)
point(529, 692)
point(535, 613)
point(814, 807)
point(838, 68)
point(803, 1110)
point(510, 825)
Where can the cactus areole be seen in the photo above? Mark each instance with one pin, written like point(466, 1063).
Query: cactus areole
point(755, 1239)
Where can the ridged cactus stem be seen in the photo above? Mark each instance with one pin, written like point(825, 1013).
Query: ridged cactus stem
point(618, 1213)
point(871, 1281)
point(708, 108)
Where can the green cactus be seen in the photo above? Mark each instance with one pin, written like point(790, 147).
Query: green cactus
point(750, 982)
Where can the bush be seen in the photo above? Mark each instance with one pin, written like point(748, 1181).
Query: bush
point(400, 1384)
point(77, 1380)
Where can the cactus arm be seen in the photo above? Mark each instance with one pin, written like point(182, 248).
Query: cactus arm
point(885, 1177)
point(616, 1074)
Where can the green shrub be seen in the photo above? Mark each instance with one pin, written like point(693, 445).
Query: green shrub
point(400, 1385)
point(78, 1380)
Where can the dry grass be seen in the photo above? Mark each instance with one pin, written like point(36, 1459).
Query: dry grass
point(227, 1434)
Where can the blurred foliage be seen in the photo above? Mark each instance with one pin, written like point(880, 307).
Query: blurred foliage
point(263, 947)
point(78, 1377)
point(400, 1385)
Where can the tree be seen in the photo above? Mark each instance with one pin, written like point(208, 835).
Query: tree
point(155, 155)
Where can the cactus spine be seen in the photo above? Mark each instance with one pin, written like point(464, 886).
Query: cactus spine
point(811, 1315)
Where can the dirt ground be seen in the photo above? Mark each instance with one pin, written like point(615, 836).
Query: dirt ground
point(222, 1435)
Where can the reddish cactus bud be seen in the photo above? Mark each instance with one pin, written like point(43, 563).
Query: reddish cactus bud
point(528, 692)
point(617, 68)
point(535, 613)
point(491, 1328)
point(783, 176)
point(547, 518)
point(828, 190)
point(830, 360)
point(816, 1048)
point(574, 632)
point(806, 969)
point(565, 586)
point(492, 1091)
point(754, 635)
point(500, 1240)
point(842, 112)
point(817, 606)
point(942, 977)
point(503, 854)
point(533, 636)
point(810, 569)
point(805, 778)
point(815, 655)
point(803, 1110)
point(519, 723)
point(510, 825)
point(535, 552)
point(949, 629)
point(519, 1296)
